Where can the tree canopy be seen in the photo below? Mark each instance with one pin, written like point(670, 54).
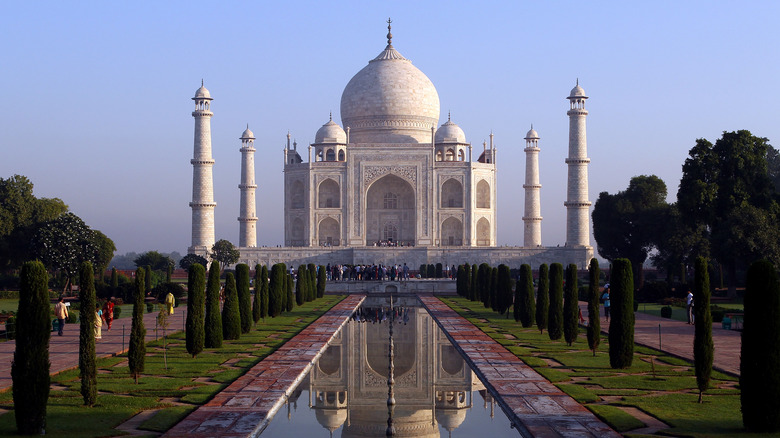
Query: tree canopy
point(157, 261)
point(191, 259)
point(225, 253)
point(64, 243)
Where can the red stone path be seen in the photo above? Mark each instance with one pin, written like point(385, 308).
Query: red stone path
point(245, 407)
point(64, 350)
point(534, 405)
point(676, 338)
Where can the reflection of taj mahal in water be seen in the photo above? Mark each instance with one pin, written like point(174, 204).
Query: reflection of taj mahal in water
point(389, 187)
point(433, 384)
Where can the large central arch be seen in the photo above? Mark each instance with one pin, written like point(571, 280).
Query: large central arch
point(390, 211)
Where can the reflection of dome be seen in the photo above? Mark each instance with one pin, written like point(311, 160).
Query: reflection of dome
point(390, 101)
point(331, 419)
point(450, 419)
point(330, 132)
point(451, 133)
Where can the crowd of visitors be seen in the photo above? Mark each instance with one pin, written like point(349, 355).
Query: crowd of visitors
point(375, 315)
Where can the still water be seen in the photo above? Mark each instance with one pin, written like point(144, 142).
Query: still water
point(436, 392)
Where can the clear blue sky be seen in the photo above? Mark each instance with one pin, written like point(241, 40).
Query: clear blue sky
point(96, 103)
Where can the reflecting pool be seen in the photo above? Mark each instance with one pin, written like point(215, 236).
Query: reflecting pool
point(346, 392)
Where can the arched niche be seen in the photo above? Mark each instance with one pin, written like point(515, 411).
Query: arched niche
point(342, 156)
point(452, 194)
point(297, 232)
point(451, 232)
point(450, 155)
point(329, 234)
point(390, 204)
point(330, 155)
point(483, 232)
point(296, 195)
point(483, 194)
point(329, 194)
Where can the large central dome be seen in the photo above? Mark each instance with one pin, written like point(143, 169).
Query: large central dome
point(390, 101)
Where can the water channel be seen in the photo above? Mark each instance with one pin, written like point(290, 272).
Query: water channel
point(346, 392)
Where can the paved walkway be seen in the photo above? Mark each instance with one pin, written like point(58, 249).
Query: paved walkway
point(244, 408)
point(676, 338)
point(64, 350)
point(535, 406)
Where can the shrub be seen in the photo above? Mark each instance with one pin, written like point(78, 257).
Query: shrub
point(542, 298)
point(666, 311)
point(231, 316)
point(196, 307)
point(276, 290)
point(117, 310)
point(30, 366)
point(213, 322)
point(431, 272)
point(244, 297)
point(149, 307)
point(621, 324)
point(136, 353)
point(759, 379)
point(653, 292)
point(87, 367)
point(717, 313)
point(439, 270)
point(555, 313)
point(571, 306)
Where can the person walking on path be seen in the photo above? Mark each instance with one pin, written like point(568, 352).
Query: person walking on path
point(169, 302)
point(61, 312)
point(605, 301)
point(108, 312)
point(689, 306)
point(98, 322)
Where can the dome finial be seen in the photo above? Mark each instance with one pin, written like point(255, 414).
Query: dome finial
point(201, 82)
point(578, 81)
point(449, 116)
point(389, 35)
point(330, 116)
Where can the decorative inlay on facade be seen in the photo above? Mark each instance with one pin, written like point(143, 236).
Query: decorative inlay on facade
point(372, 173)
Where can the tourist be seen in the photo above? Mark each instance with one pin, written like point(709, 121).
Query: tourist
point(98, 322)
point(689, 307)
point(169, 303)
point(406, 272)
point(61, 312)
point(605, 301)
point(108, 312)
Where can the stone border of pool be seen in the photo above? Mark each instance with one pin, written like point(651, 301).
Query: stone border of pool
point(246, 406)
point(535, 406)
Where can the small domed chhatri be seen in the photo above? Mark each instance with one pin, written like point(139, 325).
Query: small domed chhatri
point(577, 91)
point(330, 132)
point(247, 134)
point(202, 92)
point(450, 132)
point(532, 134)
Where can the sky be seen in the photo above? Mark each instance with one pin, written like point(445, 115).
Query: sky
point(97, 104)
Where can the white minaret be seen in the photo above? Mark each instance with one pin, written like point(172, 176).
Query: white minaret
point(577, 203)
point(532, 219)
point(202, 180)
point(247, 234)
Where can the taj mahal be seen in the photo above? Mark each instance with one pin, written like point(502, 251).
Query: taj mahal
point(390, 185)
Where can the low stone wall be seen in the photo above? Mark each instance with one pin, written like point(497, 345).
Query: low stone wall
point(513, 256)
point(413, 286)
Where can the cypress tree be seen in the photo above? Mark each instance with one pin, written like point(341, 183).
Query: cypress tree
point(196, 307)
point(483, 283)
point(168, 273)
point(300, 287)
point(460, 281)
point(244, 297)
point(759, 380)
point(321, 280)
point(621, 322)
point(703, 349)
point(30, 366)
point(148, 279)
point(439, 270)
point(312, 283)
point(256, 302)
point(87, 366)
point(264, 292)
point(276, 290)
point(524, 297)
point(494, 288)
point(136, 353)
point(289, 293)
point(543, 298)
point(231, 314)
point(504, 289)
point(213, 326)
point(423, 271)
point(571, 306)
point(474, 293)
point(594, 324)
point(114, 280)
point(555, 314)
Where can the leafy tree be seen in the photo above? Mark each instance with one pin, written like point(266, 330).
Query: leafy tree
point(105, 249)
point(626, 224)
point(703, 348)
point(244, 297)
point(594, 323)
point(30, 366)
point(224, 252)
point(87, 366)
point(504, 289)
point(191, 259)
point(719, 184)
point(213, 324)
point(555, 315)
point(136, 353)
point(543, 298)
point(759, 380)
point(196, 309)
point(679, 242)
point(231, 316)
point(321, 280)
point(571, 306)
point(524, 297)
point(155, 260)
point(276, 290)
point(621, 323)
point(64, 243)
point(300, 287)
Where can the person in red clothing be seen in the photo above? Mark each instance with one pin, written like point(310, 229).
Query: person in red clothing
point(108, 312)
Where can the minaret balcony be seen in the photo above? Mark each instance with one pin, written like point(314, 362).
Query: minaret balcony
point(247, 186)
point(202, 113)
point(202, 162)
point(203, 204)
point(577, 160)
point(247, 219)
point(577, 204)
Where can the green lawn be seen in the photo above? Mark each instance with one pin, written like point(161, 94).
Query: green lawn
point(656, 383)
point(679, 313)
point(119, 398)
